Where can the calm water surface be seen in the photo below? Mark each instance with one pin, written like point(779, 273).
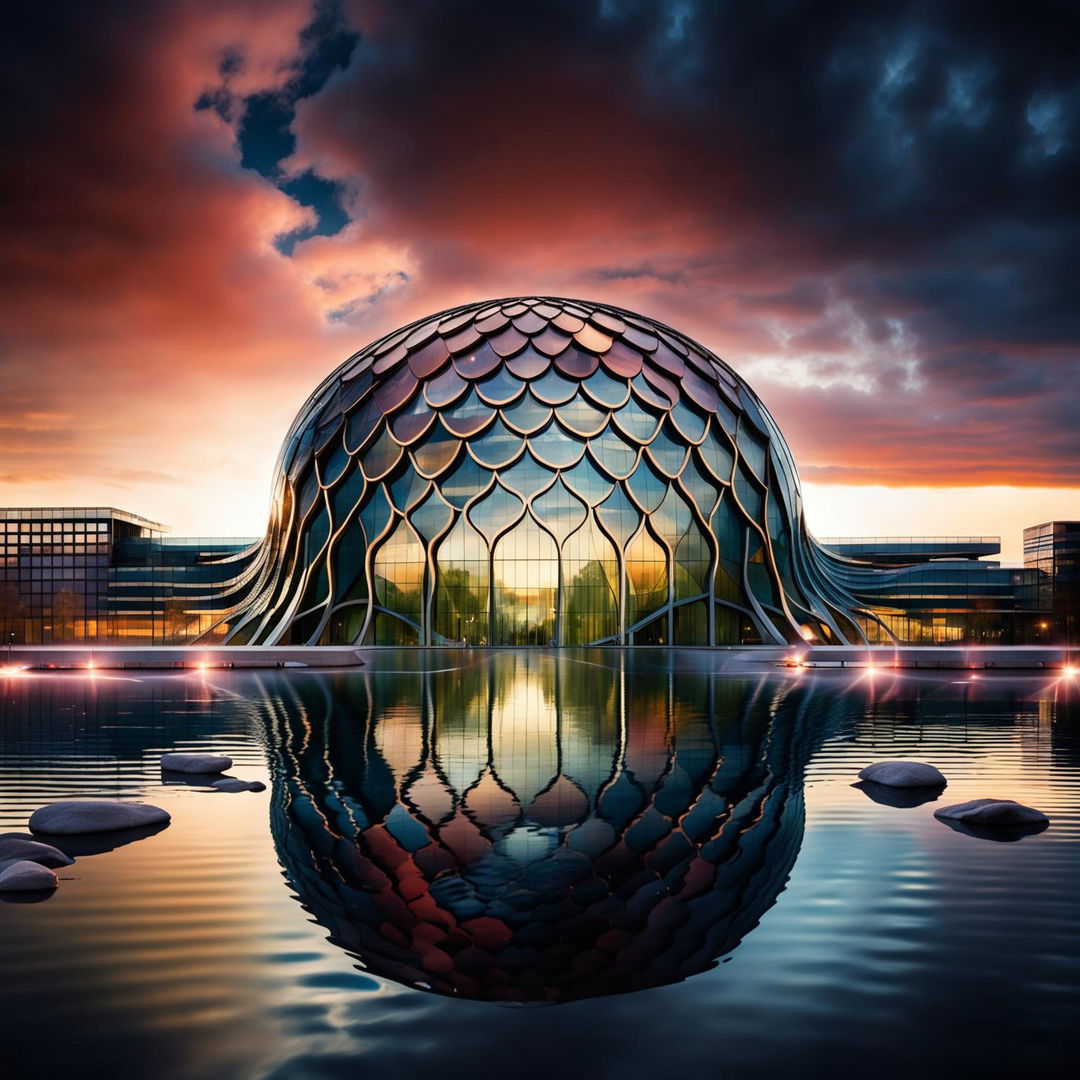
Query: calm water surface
point(593, 863)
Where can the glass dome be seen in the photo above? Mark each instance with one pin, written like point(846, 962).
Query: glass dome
point(538, 472)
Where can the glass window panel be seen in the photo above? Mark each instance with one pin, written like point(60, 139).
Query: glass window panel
point(381, 456)
point(409, 424)
point(728, 623)
point(692, 564)
point(559, 510)
point(496, 446)
point(445, 389)
point(527, 476)
point(396, 390)
point(673, 517)
point(431, 516)
point(759, 574)
point(717, 456)
point(408, 488)
point(727, 418)
point(582, 418)
point(636, 421)
point(527, 415)
point(552, 389)
point(467, 416)
point(591, 587)
point(650, 395)
point(691, 624)
point(467, 480)
point(495, 511)
point(585, 481)
point(753, 450)
point(647, 486)
point(614, 454)
point(622, 361)
point(555, 448)
point(730, 533)
point(606, 391)
point(345, 625)
point(690, 424)
point(749, 494)
point(500, 388)
point(478, 363)
point(309, 494)
point(576, 364)
point(350, 582)
point(619, 516)
point(461, 588)
point(436, 452)
point(646, 577)
point(666, 454)
point(703, 490)
point(528, 364)
point(376, 513)
point(333, 465)
point(653, 633)
point(399, 572)
point(388, 630)
point(525, 578)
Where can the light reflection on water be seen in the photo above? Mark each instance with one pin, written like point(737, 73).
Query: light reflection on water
point(546, 827)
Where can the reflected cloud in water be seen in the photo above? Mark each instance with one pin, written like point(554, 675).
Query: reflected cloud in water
point(529, 830)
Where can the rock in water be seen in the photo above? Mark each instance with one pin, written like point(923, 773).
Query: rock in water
point(17, 848)
point(993, 813)
point(903, 774)
point(26, 876)
point(196, 763)
point(232, 784)
point(75, 816)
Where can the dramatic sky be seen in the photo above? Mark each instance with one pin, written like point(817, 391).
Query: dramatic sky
point(871, 210)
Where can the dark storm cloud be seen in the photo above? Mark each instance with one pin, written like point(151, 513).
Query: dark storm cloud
point(816, 181)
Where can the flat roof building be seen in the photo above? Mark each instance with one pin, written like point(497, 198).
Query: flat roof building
point(1053, 549)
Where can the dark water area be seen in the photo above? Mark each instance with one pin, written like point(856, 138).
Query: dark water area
point(595, 863)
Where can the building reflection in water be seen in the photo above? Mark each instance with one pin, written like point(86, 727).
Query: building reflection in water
point(529, 829)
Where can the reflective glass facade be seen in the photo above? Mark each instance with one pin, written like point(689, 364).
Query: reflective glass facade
point(1052, 550)
point(97, 574)
point(538, 472)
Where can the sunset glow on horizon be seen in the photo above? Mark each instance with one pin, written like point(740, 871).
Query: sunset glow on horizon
point(871, 216)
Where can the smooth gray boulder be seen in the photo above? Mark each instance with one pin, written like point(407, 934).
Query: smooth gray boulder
point(903, 774)
point(16, 848)
point(195, 763)
point(75, 816)
point(992, 813)
point(230, 783)
point(25, 876)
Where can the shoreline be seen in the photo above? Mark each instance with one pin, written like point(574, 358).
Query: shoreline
point(200, 658)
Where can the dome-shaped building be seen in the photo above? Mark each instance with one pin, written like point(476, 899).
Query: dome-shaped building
point(532, 472)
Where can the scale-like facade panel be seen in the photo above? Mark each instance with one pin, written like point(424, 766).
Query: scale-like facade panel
point(538, 472)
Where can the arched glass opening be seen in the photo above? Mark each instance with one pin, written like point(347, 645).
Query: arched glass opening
point(590, 587)
point(399, 573)
point(646, 578)
point(525, 577)
point(461, 587)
